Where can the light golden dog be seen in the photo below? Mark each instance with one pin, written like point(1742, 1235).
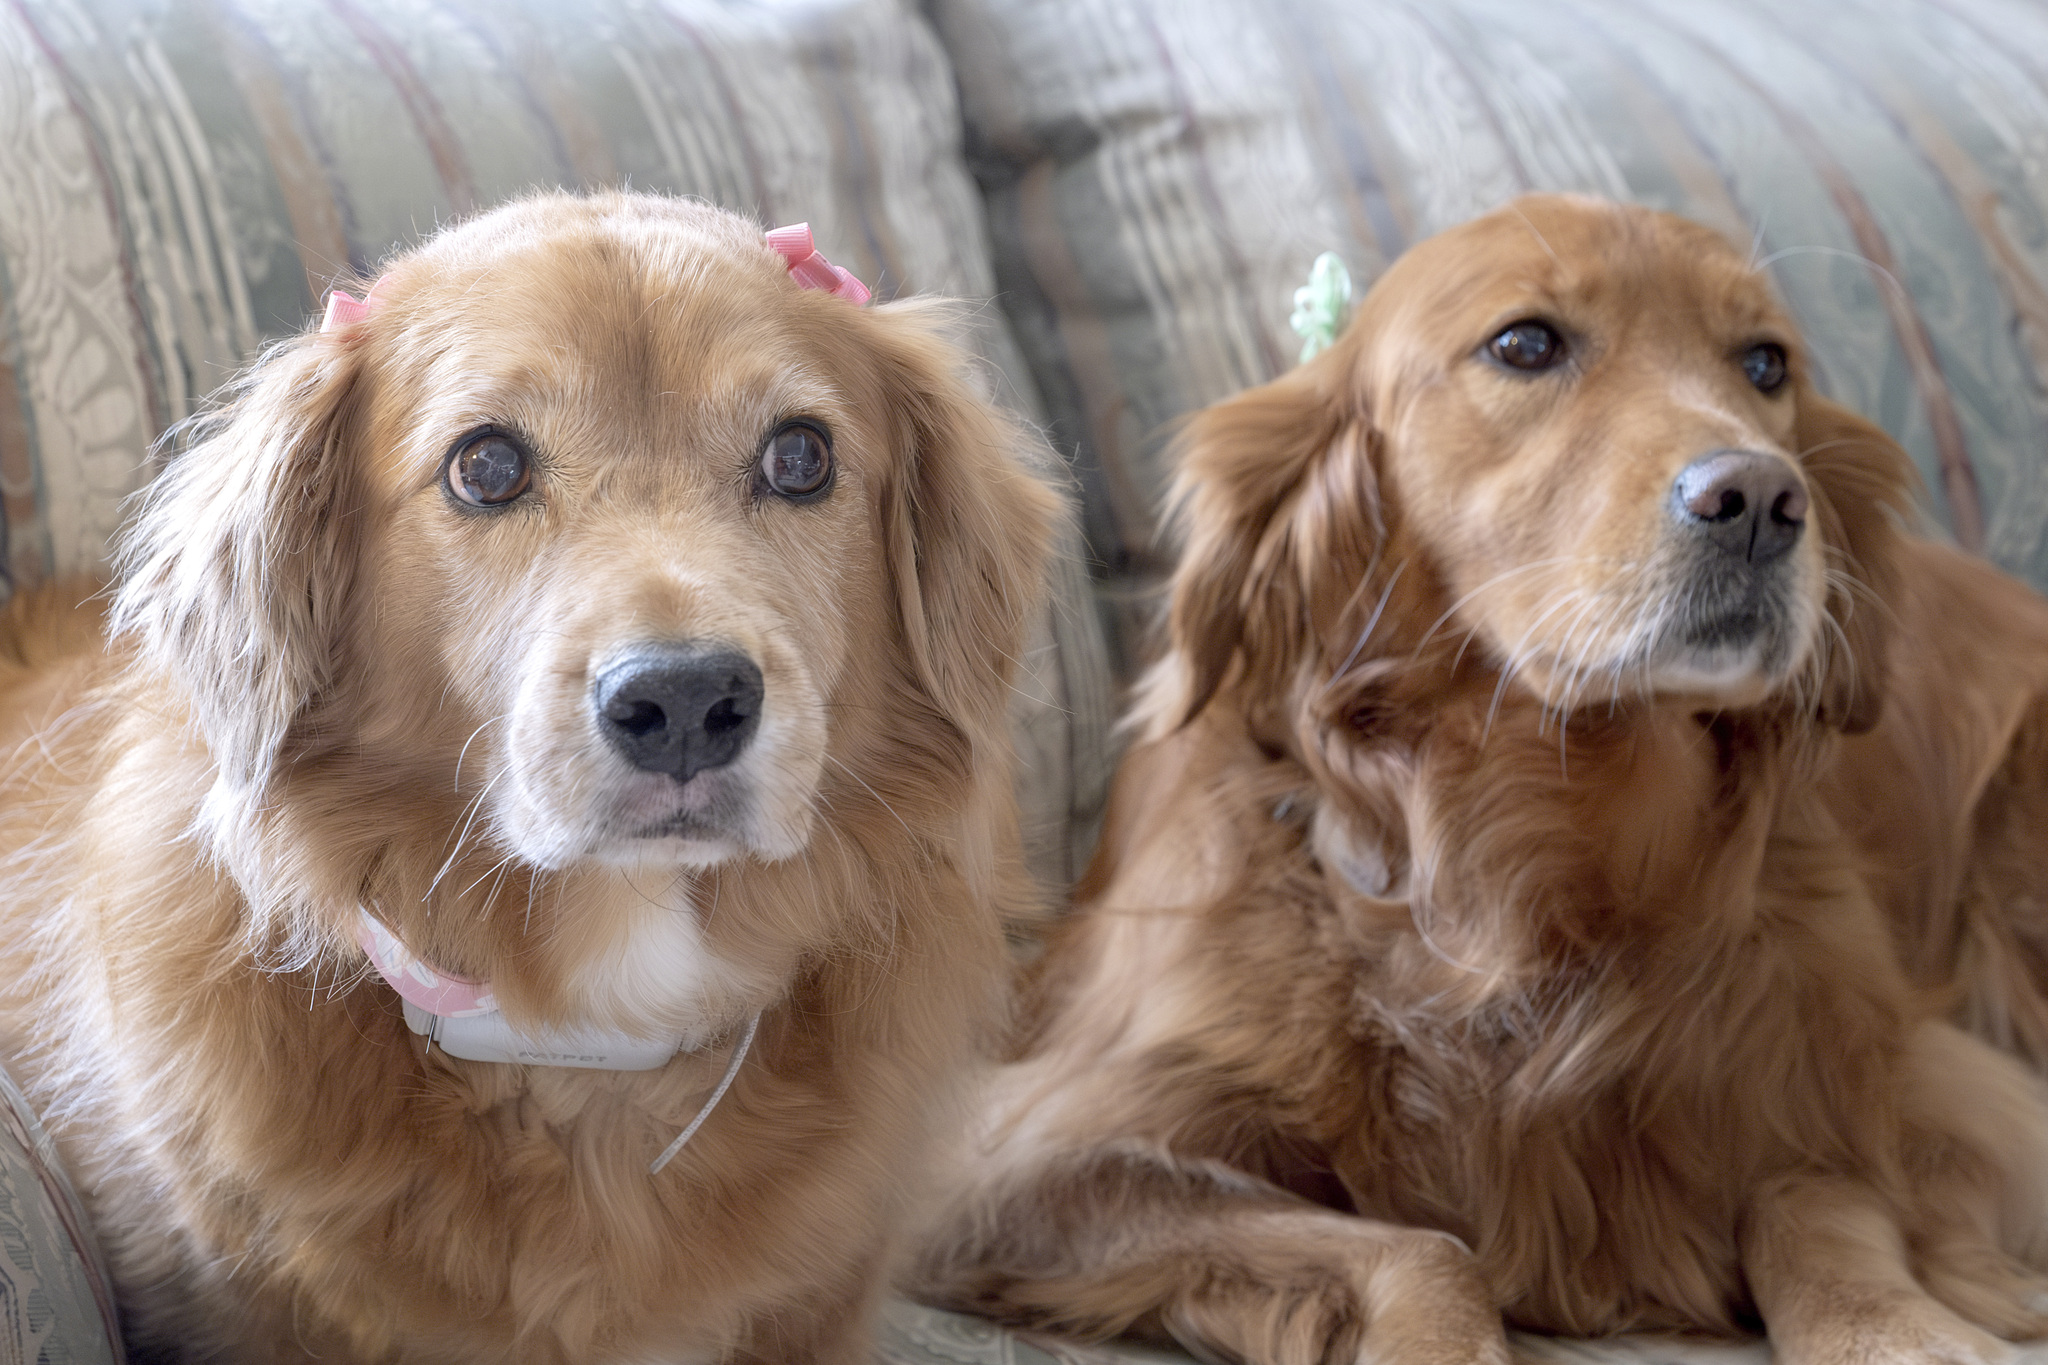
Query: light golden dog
point(612, 621)
point(1493, 918)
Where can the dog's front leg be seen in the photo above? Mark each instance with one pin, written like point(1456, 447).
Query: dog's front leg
point(1832, 1278)
point(1129, 1238)
point(833, 1325)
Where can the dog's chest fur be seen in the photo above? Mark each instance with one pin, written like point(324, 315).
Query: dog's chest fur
point(1564, 1182)
point(1593, 1180)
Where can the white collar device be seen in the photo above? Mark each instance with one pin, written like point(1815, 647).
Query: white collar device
point(459, 1015)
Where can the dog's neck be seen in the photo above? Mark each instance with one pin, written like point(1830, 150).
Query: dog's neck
point(1516, 854)
point(460, 1015)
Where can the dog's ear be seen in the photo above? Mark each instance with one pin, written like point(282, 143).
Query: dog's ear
point(968, 530)
point(235, 566)
point(1860, 480)
point(1276, 501)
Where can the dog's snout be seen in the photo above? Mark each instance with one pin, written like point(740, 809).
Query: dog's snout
point(679, 709)
point(1748, 505)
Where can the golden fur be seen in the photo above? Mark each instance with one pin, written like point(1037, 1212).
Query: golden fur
point(328, 685)
point(1454, 888)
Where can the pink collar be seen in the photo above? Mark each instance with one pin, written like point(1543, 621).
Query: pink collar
point(433, 989)
point(807, 266)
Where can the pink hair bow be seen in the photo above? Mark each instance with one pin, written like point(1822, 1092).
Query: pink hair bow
point(344, 309)
point(809, 268)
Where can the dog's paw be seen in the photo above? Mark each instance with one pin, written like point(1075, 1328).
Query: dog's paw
point(1895, 1328)
point(1431, 1306)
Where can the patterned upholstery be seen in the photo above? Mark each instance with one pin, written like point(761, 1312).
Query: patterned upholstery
point(56, 1303)
point(194, 173)
point(920, 1336)
point(1160, 176)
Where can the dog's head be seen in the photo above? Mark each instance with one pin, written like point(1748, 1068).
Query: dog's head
point(1567, 464)
point(1590, 426)
point(598, 543)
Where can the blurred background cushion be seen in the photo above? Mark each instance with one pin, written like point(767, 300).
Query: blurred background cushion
point(1160, 176)
point(912, 1335)
point(180, 180)
point(56, 1302)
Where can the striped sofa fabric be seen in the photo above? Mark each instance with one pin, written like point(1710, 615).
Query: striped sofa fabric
point(1160, 174)
point(56, 1299)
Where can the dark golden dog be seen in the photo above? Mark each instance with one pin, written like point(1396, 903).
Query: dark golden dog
point(605, 617)
point(1494, 918)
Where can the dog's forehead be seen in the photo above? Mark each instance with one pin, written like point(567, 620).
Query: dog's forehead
point(664, 305)
point(593, 334)
point(1575, 253)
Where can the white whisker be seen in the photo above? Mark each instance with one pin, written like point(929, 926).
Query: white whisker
point(1487, 586)
point(471, 740)
point(871, 792)
point(1874, 268)
point(1371, 624)
point(476, 806)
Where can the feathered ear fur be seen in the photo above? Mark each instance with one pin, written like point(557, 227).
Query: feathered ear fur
point(1860, 478)
point(969, 532)
point(239, 558)
point(1277, 503)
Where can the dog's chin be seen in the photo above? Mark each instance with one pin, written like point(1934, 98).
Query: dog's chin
point(680, 848)
point(1725, 662)
point(653, 822)
point(1741, 637)
point(1723, 677)
point(1730, 663)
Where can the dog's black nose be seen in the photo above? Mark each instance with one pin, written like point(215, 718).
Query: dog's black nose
point(1746, 504)
point(679, 709)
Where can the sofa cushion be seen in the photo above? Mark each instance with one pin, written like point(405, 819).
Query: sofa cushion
point(56, 1301)
point(1161, 176)
point(182, 179)
point(922, 1336)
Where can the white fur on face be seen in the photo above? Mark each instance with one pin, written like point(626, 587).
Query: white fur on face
point(1621, 633)
point(1577, 627)
point(642, 963)
point(1792, 607)
point(567, 797)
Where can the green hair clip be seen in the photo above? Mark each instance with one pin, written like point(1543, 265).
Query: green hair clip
point(1321, 305)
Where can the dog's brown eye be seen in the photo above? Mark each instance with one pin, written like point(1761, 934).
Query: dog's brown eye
point(797, 461)
point(488, 469)
point(1528, 345)
point(1765, 365)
